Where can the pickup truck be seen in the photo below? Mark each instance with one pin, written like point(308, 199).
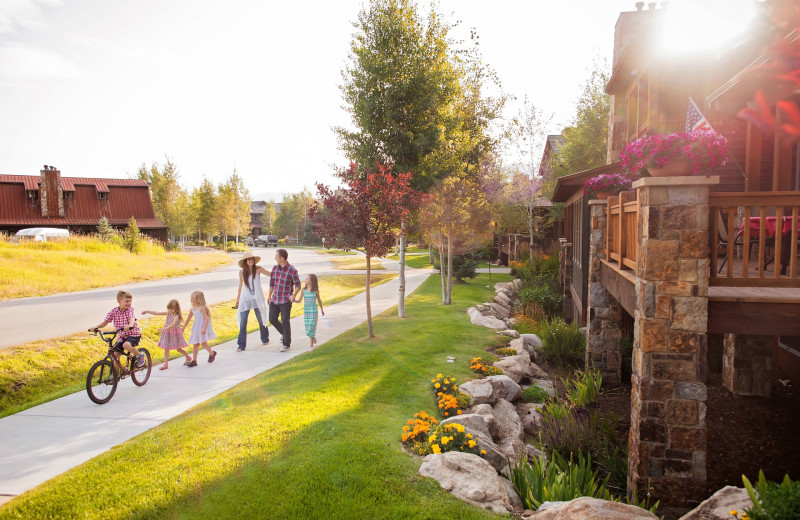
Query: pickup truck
point(266, 241)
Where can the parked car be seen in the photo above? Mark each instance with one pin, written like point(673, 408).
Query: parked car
point(249, 241)
point(266, 241)
point(43, 234)
point(272, 240)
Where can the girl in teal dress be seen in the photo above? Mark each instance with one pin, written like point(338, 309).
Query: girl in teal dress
point(310, 299)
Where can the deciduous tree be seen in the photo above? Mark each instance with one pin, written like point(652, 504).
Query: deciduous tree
point(365, 214)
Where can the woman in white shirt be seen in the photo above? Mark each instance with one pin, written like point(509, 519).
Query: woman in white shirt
point(250, 296)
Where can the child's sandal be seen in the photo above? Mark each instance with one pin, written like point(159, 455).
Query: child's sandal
point(163, 367)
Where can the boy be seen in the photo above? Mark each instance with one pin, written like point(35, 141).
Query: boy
point(124, 318)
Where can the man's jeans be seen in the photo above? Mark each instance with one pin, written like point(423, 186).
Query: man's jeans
point(242, 341)
point(283, 327)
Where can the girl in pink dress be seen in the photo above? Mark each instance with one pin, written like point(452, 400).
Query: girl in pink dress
point(172, 334)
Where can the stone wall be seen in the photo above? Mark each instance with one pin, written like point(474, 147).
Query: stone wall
point(747, 364)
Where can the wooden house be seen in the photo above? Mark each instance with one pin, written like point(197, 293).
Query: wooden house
point(688, 267)
point(75, 203)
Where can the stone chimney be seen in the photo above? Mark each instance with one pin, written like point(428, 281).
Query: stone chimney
point(50, 193)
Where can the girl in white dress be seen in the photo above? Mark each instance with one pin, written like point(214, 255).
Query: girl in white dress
point(202, 331)
point(250, 296)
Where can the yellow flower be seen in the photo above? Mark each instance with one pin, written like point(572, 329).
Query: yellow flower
point(734, 512)
point(446, 382)
point(438, 376)
point(437, 385)
point(445, 440)
point(469, 436)
point(745, 517)
point(483, 452)
point(472, 444)
point(435, 448)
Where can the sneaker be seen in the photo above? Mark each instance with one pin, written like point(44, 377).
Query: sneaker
point(140, 360)
point(285, 348)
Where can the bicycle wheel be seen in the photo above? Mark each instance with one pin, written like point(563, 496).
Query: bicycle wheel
point(101, 382)
point(141, 374)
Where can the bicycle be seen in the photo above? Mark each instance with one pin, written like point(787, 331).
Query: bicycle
point(104, 376)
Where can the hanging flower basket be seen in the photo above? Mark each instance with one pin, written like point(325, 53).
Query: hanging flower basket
point(605, 185)
point(695, 153)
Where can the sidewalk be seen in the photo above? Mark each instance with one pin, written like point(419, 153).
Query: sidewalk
point(45, 441)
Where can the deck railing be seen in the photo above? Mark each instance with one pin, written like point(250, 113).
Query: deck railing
point(622, 242)
point(754, 239)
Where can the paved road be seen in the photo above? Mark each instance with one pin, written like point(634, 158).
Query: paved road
point(31, 454)
point(30, 319)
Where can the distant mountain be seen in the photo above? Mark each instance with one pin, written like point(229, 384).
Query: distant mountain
point(271, 196)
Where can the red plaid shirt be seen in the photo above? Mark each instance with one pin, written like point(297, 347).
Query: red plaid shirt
point(283, 281)
point(122, 320)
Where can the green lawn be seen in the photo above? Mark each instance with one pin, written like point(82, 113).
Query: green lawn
point(415, 261)
point(41, 371)
point(316, 437)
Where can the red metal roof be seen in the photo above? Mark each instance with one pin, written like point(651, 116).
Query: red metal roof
point(31, 182)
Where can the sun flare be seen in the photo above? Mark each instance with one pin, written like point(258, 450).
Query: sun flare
point(704, 25)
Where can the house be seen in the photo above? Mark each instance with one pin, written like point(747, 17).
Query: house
point(75, 203)
point(257, 209)
point(648, 264)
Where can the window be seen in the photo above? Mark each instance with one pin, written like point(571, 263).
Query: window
point(69, 195)
point(32, 194)
point(102, 195)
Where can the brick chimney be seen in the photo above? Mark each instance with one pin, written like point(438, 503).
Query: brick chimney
point(50, 192)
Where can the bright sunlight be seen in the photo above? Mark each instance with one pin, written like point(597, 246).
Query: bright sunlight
point(704, 25)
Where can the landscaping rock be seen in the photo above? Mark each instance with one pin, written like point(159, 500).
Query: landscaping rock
point(587, 508)
point(503, 299)
point(531, 417)
point(508, 423)
point(503, 387)
point(480, 391)
point(519, 345)
point(469, 478)
point(532, 452)
point(517, 284)
point(472, 422)
point(546, 385)
point(513, 497)
point(538, 372)
point(720, 504)
point(513, 368)
point(485, 411)
point(492, 453)
point(510, 333)
point(490, 322)
point(532, 340)
point(511, 449)
point(499, 311)
point(473, 312)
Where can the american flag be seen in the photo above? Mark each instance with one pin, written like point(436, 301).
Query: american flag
point(695, 119)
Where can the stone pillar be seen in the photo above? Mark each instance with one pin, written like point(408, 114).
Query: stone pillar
point(604, 337)
point(667, 442)
point(565, 278)
point(747, 364)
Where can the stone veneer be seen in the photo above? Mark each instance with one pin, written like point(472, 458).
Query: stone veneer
point(565, 278)
point(604, 313)
point(51, 194)
point(747, 364)
point(667, 442)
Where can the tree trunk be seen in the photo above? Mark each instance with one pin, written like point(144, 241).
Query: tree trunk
point(449, 265)
point(401, 296)
point(369, 305)
point(442, 268)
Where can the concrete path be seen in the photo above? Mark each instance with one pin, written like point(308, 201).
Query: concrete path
point(42, 442)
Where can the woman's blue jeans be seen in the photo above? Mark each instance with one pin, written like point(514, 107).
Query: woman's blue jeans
point(242, 341)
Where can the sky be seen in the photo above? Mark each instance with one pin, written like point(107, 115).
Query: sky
point(99, 87)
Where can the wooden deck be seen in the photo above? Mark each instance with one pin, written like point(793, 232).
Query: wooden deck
point(754, 310)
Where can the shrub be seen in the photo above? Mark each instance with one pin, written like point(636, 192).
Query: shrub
point(568, 430)
point(416, 430)
point(464, 266)
point(535, 394)
point(557, 480)
point(524, 324)
point(132, 240)
point(506, 351)
point(582, 388)
point(451, 437)
point(444, 384)
point(562, 343)
point(544, 295)
point(773, 501)
point(482, 369)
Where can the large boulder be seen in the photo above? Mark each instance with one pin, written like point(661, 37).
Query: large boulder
point(532, 340)
point(485, 411)
point(511, 449)
point(513, 367)
point(472, 422)
point(503, 299)
point(489, 389)
point(473, 312)
point(469, 478)
point(530, 414)
point(490, 322)
point(500, 311)
point(492, 453)
point(507, 421)
point(511, 333)
point(720, 504)
point(587, 508)
point(518, 344)
point(513, 497)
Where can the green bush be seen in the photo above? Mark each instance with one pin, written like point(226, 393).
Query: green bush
point(562, 343)
point(557, 480)
point(582, 387)
point(567, 430)
point(464, 266)
point(535, 394)
point(544, 295)
point(773, 501)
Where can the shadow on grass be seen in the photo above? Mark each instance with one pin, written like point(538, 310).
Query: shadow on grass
point(316, 437)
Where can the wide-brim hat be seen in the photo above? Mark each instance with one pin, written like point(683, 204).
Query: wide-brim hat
point(247, 255)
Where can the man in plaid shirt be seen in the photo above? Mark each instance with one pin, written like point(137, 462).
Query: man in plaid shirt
point(124, 318)
point(282, 291)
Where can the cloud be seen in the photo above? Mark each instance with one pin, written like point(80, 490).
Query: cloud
point(27, 14)
point(21, 62)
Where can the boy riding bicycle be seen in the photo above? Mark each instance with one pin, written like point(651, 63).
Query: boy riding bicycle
point(124, 318)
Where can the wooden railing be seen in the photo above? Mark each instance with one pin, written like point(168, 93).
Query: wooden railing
point(754, 239)
point(622, 241)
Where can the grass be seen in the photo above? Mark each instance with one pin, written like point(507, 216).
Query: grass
point(315, 437)
point(355, 264)
point(415, 261)
point(37, 269)
point(336, 252)
point(41, 371)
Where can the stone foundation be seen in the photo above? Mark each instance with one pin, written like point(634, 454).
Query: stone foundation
point(565, 278)
point(747, 364)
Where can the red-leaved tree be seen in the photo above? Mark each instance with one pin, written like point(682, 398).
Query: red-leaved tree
point(365, 213)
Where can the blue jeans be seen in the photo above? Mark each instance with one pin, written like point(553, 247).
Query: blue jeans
point(283, 327)
point(242, 341)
